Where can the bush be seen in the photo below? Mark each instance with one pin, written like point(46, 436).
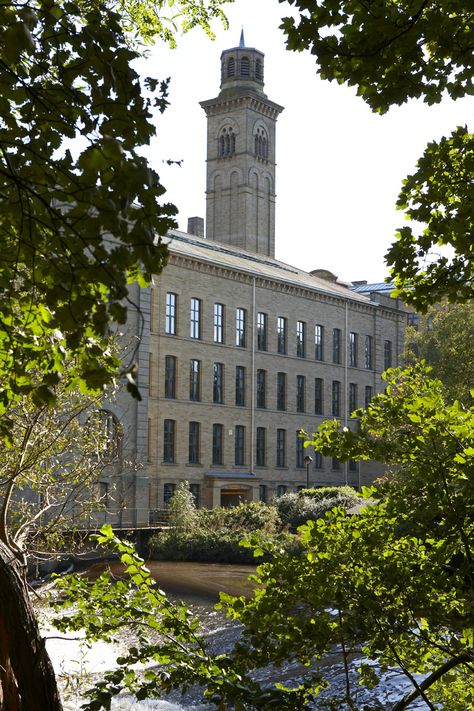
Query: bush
point(345, 495)
point(311, 504)
point(182, 509)
point(214, 547)
point(216, 535)
point(241, 519)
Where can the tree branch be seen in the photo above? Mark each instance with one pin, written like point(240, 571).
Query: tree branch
point(430, 680)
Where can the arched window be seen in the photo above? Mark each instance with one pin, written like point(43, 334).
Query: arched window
point(104, 435)
point(261, 143)
point(231, 67)
point(245, 67)
point(226, 143)
point(259, 69)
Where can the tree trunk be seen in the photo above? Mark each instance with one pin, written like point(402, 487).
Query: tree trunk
point(27, 679)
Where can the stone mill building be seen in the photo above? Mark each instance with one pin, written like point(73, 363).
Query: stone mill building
point(237, 351)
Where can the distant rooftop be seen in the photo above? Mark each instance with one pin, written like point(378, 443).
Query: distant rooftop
point(382, 287)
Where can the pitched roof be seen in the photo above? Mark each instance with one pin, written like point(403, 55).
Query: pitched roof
point(207, 251)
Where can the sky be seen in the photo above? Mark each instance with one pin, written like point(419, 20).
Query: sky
point(339, 166)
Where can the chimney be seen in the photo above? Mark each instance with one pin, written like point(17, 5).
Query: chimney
point(196, 226)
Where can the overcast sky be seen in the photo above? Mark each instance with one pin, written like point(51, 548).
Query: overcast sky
point(339, 166)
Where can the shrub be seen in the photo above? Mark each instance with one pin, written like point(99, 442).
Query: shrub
point(214, 547)
point(311, 504)
point(345, 495)
point(182, 509)
point(244, 518)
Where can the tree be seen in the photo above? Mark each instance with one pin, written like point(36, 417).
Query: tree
point(81, 215)
point(51, 470)
point(81, 210)
point(444, 338)
point(394, 584)
point(182, 510)
point(391, 588)
point(152, 19)
point(394, 51)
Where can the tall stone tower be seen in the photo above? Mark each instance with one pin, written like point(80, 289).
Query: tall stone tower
point(241, 120)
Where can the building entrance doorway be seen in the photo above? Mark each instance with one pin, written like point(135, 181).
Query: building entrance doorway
point(234, 495)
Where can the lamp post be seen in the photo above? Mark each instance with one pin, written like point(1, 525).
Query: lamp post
point(307, 461)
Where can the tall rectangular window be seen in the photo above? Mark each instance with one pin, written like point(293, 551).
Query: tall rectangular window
point(301, 339)
point(318, 396)
point(299, 451)
point(352, 397)
point(281, 334)
point(281, 489)
point(217, 443)
point(336, 464)
point(169, 427)
point(387, 354)
point(240, 385)
point(168, 491)
point(195, 318)
point(261, 331)
point(218, 383)
point(239, 445)
point(336, 345)
point(261, 446)
point(170, 313)
point(318, 342)
point(318, 460)
point(281, 448)
point(218, 323)
point(281, 391)
point(368, 353)
point(194, 380)
point(193, 456)
point(170, 377)
point(261, 388)
point(195, 490)
point(368, 396)
point(262, 493)
point(300, 393)
point(336, 398)
point(240, 328)
point(353, 349)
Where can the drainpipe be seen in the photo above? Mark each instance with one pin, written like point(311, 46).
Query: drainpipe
point(252, 385)
point(346, 386)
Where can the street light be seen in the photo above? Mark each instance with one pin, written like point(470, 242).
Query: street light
point(307, 461)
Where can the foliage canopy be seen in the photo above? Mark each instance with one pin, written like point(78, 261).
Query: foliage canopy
point(444, 338)
point(81, 214)
point(393, 587)
point(80, 209)
point(392, 51)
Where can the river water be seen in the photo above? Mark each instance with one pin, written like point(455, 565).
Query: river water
point(199, 586)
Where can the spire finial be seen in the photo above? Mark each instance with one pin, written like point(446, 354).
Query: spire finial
point(242, 40)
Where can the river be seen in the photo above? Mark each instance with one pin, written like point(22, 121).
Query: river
point(199, 585)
